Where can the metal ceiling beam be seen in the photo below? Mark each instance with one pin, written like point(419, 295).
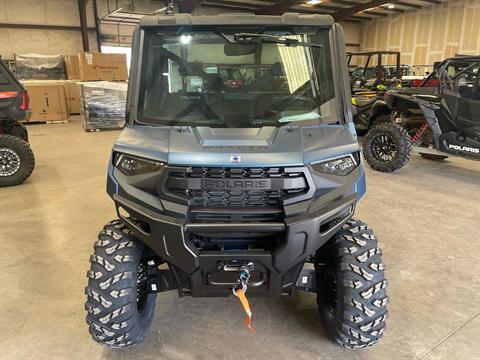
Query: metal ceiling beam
point(229, 5)
point(322, 7)
point(435, 2)
point(224, 4)
point(259, 9)
point(402, 3)
point(188, 6)
point(233, 4)
point(375, 13)
point(344, 2)
point(328, 6)
point(361, 18)
point(348, 12)
point(339, 13)
point(279, 8)
point(397, 10)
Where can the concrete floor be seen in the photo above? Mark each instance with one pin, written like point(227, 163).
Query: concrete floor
point(426, 217)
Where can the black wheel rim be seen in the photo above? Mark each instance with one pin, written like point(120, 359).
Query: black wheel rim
point(384, 147)
point(142, 295)
point(9, 162)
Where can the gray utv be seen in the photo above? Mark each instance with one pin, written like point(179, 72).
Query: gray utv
point(239, 169)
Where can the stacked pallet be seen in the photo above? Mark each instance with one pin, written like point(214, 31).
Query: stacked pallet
point(102, 88)
point(95, 88)
point(103, 105)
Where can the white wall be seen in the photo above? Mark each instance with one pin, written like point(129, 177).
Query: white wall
point(42, 12)
point(427, 35)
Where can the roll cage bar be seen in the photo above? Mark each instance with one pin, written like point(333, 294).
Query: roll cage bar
point(378, 55)
point(474, 60)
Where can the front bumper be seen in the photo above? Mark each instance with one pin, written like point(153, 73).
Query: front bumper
point(199, 272)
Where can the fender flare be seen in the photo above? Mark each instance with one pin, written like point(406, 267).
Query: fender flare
point(380, 107)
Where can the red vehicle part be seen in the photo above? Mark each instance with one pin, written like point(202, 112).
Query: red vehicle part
point(423, 83)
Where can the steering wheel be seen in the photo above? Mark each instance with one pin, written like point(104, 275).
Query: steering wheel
point(187, 70)
point(476, 87)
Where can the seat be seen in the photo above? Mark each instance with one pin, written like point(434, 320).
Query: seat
point(363, 102)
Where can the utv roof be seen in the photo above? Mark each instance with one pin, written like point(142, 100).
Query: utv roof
point(464, 57)
point(237, 19)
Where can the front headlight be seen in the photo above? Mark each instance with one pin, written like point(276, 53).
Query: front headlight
point(341, 166)
point(131, 165)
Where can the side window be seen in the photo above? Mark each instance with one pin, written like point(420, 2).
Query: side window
point(7, 83)
point(467, 82)
point(4, 80)
point(476, 84)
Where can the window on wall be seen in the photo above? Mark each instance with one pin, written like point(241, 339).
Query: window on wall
point(119, 50)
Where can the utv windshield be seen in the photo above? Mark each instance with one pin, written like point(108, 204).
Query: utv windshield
point(237, 77)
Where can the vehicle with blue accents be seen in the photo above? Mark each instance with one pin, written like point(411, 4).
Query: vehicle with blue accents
point(247, 187)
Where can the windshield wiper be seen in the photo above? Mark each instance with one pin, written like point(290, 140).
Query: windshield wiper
point(251, 38)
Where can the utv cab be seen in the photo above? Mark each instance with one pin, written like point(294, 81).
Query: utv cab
point(237, 189)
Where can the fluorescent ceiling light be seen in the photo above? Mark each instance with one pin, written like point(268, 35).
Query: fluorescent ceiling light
point(314, 2)
point(391, 6)
point(185, 39)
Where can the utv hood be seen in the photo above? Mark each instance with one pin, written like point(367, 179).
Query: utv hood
point(245, 147)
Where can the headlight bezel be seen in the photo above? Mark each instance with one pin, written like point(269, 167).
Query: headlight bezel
point(328, 166)
point(131, 165)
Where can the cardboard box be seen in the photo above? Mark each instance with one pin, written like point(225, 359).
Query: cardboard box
point(72, 94)
point(72, 68)
point(94, 66)
point(47, 100)
point(120, 66)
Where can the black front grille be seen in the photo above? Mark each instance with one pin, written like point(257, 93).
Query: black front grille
point(202, 214)
point(242, 173)
point(240, 198)
point(280, 184)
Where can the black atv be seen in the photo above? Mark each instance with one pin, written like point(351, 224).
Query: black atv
point(368, 85)
point(16, 156)
point(438, 121)
point(375, 73)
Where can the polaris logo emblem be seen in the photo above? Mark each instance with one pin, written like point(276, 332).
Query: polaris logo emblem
point(235, 184)
point(235, 159)
point(464, 148)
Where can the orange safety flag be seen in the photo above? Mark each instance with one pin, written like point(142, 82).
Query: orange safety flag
point(243, 299)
